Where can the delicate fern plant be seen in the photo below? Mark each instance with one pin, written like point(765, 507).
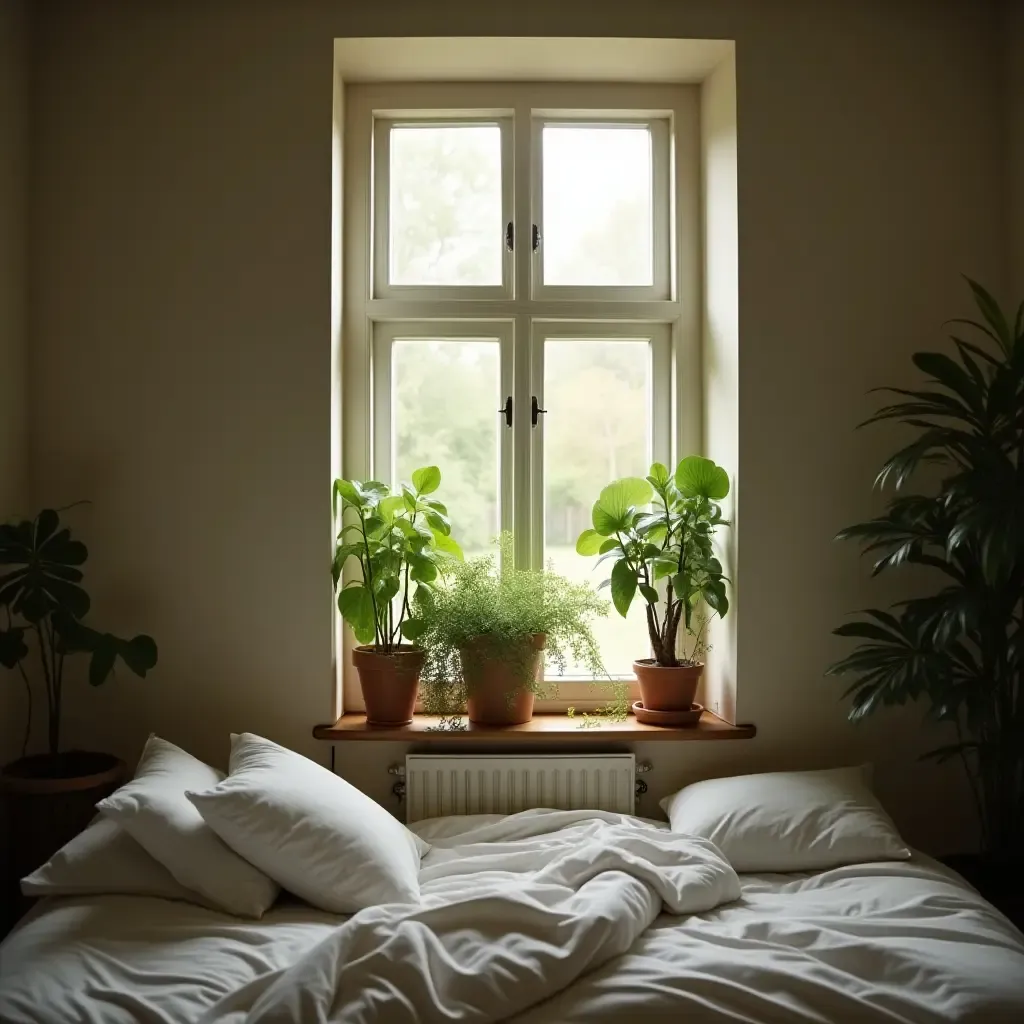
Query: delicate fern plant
point(505, 606)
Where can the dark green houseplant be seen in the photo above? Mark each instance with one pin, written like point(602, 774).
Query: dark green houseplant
point(42, 608)
point(659, 531)
point(48, 798)
point(399, 541)
point(959, 648)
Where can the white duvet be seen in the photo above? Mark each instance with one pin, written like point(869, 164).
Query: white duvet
point(542, 917)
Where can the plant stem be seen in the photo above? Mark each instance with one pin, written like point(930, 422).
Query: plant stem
point(28, 717)
point(51, 701)
point(368, 580)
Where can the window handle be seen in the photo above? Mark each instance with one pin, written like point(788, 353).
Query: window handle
point(510, 236)
point(536, 238)
point(506, 411)
point(535, 410)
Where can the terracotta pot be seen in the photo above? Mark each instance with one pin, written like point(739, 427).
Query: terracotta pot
point(390, 682)
point(495, 694)
point(667, 689)
point(45, 801)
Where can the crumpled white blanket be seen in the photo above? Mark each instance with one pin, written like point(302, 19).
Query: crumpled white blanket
point(511, 914)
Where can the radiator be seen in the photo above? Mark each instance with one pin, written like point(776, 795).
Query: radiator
point(437, 785)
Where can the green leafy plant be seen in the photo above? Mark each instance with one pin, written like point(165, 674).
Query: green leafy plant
point(399, 541)
point(507, 606)
point(671, 542)
point(960, 649)
point(615, 710)
point(43, 601)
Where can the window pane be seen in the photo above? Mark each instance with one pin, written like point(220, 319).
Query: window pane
point(597, 205)
point(444, 413)
point(597, 428)
point(445, 205)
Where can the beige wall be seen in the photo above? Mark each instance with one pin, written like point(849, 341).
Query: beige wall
point(1013, 52)
point(13, 308)
point(182, 336)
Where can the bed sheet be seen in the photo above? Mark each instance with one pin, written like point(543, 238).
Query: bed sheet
point(888, 942)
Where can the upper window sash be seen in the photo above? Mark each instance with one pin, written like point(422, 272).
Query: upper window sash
point(397, 137)
point(647, 181)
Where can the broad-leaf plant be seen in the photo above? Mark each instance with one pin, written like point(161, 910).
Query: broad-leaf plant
point(398, 541)
point(42, 605)
point(659, 530)
point(959, 648)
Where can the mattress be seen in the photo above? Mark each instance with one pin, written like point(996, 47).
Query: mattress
point(896, 942)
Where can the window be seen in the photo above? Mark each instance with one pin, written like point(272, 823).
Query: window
point(520, 305)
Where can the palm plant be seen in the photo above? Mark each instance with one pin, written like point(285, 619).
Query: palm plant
point(959, 648)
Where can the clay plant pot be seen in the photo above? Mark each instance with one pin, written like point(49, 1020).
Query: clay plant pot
point(45, 801)
point(390, 682)
point(495, 694)
point(667, 689)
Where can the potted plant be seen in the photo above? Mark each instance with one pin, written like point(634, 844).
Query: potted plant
point(670, 544)
point(49, 797)
point(398, 541)
point(959, 648)
point(487, 629)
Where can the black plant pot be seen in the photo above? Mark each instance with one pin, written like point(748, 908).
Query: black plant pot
point(45, 801)
point(999, 878)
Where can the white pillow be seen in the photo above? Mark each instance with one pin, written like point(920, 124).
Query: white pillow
point(311, 831)
point(104, 860)
point(154, 810)
point(789, 821)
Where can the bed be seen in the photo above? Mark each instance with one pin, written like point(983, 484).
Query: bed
point(891, 941)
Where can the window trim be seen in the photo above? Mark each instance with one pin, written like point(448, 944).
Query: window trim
point(361, 309)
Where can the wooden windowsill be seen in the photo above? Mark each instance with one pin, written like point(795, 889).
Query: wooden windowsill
point(543, 726)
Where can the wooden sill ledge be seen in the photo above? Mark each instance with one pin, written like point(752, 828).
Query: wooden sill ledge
point(543, 726)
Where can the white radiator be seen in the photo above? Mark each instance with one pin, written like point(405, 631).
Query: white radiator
point(437, 785)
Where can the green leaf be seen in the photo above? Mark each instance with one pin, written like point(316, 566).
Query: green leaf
point(348, 492)
point(385, 588)
point(12, 646)
point(714, 594)
point(139, 654)
point(697, 477)
point(448, 546)
point(665, 567)
point(46, 526)
point(438, 523)
point(101, 664)
point(650, 595)
point(390, 507)
point(356, 607)
point(623, 587)
point(617, 502)
point(589, 542)
point(437, 506)
point(609, 544)
point(413, 629)
point(426, 480)
point(659, 475)
point(993, 315)
point(409, 498)
point(422, 569)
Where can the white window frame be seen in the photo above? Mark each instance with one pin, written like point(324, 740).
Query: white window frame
point(522, 309)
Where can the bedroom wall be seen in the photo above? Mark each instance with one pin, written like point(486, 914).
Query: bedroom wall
point(13, 308)
point(1013, 66)
point(182, 337)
